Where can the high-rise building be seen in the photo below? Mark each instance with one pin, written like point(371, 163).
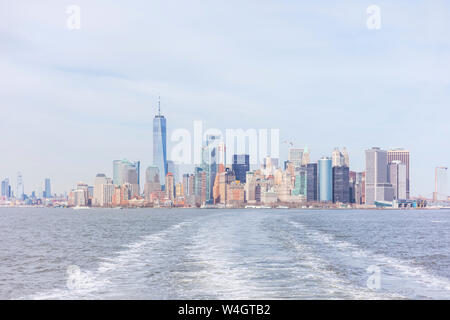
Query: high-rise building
point(6, 189)
point(160, 144)
point(311, 181)
point(305, 158)
point(377, 186)
point(360, 185)
point(340, 158)
point(170, 186)
point(20, 188)
point(200, 185)
point(209, 163)
point(124, 172)
point(341, 188)
point(47, 192)
point(103, 190)
point(152, 181)
point(172, 168)
point(397, 177)
point(325, 179)
point(402, 155)
point(241, 164)
point(295, 156)
point(301, 182)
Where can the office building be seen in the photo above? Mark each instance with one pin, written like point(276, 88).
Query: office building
point(378, 187)
point(398, 178)
point(240, 166)
point(47, 192)
point(311, 181)
point(402, 155)
point(295, 156)
point(325, 179)
point(341, 187)
point(160, 145)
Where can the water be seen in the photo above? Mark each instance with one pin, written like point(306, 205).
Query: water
point(223, 254)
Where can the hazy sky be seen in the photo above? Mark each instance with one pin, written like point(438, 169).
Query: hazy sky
point(71, 101)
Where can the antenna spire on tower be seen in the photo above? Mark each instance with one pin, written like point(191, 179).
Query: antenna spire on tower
point(159, 105)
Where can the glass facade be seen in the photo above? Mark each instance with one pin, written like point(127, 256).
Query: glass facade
point(159, 146)
point(341, 187)
point(325, 180)
point(311, 188)
point(240, 166)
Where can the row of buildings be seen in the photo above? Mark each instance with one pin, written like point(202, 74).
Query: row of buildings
point(213, 182)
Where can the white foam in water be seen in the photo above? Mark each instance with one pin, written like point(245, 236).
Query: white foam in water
point(427, 284)
point(84, 284)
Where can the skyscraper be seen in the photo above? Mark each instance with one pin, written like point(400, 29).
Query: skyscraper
point(6, 189)
point(240, 166)
point(209, 163)
point(152, 181)
point(377, 186)
point(397, 177)
point(103, 190)
point(125, 171)
point(47, 192)
point(311, 181)
point(325, 179)
point(340, 158)
point(295, 156)
point(341, 188)
point(402, 155)
point(159, 145)
point(20, 188)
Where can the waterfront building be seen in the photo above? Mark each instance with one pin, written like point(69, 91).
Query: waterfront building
point(311, 182)
point(360, 185)
point(241, 165)
point(235, 193)
point(325, 179)
point(152, 181)
point(378, 187)
point(125, 171)
point(301, 181)
point(209, 163)
point(47, 192)
point(352, 186)
point(160, 144)
point(269, 197)
point(402, 155)
point(200, 186)
point(6, 189)
point(341, 188)
point(397, 176)
point(169, 186)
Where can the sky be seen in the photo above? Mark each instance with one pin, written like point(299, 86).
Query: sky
point(71, 101)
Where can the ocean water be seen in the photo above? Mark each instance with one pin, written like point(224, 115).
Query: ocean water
point(50, 253)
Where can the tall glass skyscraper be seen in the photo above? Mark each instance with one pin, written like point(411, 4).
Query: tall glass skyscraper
point(325, 179)
point(240, 166)
point(159, 145)
point(47, 192)
point(311, 189)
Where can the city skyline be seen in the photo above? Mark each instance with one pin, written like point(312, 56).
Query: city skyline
point(315, 72)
